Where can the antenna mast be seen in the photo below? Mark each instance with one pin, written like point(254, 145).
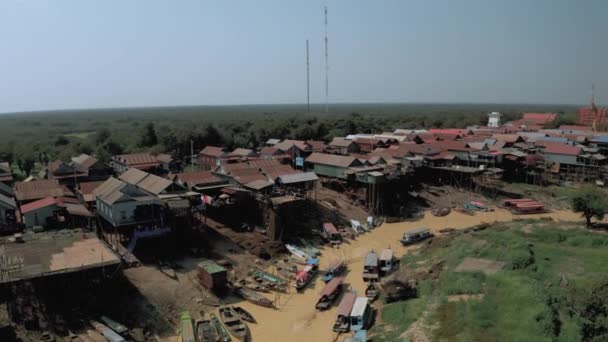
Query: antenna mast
point(307, 80)
point(326, 66)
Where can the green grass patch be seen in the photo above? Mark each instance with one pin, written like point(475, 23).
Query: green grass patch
point(553, 274)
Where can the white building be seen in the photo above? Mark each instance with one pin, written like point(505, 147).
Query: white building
point(494, 119)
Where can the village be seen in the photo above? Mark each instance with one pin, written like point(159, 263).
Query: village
point(263, 244)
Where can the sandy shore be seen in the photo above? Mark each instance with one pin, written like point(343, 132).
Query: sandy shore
point(297, 320)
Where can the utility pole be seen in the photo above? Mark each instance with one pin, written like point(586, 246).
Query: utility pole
point(307, 80)
point(192, 154)
point(326, 67)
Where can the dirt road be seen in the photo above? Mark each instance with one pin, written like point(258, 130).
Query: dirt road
point(297, 320)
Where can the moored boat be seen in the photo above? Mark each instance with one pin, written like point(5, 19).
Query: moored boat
point(308, 246)
point(371, 292)
point(304, 276)
point(336, 268)
point(221, 329)
point(330, 293)
point(206, 331)
point(186, 329)
point(245, 315)
point(254, 297)
point(233, 322)
point(253, 285)
point(297, 252)
point(371, 271)
point(269, 280)
point(342, 323)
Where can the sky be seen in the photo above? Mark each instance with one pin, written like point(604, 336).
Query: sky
point(64, 54)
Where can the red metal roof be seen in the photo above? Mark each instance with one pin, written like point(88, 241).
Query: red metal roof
point(592, 114)
point(539, 118)
point(212, 151)
point(457, 131)
point(45, 202)
point(563, 149)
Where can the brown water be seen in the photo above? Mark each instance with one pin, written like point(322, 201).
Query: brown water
point(296, 320)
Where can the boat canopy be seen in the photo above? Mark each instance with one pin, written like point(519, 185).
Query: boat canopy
point(359, 307)
point(371, 260)
point(386, 255)
point(417, 231)
point(329, 228)
point(331, 286)
point(346, 304)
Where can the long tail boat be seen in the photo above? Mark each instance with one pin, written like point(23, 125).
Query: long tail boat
point(271, 281)
point(206, 331)
point(297, 252)
point(186, 329)
point(254, 297)
point(304, 276)
point(253, 285)
point(224, 334)
point(245, 315)
point(233, 322)
point(313, 251)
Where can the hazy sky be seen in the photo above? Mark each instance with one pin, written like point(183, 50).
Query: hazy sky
point(114, 53)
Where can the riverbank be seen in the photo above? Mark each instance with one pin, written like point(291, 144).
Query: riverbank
point(297, 320)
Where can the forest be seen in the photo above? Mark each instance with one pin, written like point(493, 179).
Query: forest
point(38, 137)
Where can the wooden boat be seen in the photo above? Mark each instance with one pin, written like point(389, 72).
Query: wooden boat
point(224, 335)
point(371, 269)
point(287, 269)
point(304, 276)
point(206, 331)
point(330, 293)
point(313, 251)
point(186, 331)
point(245, 315)
point(342, 323)
point(269, 280)
point(119, 328)
point(335, 269)
point(233, 322)
point(254, 297)
point(253, 285)
point(298, 253)
point(465, 211)
point(107, 333)
point(371, 292)
point(297, 260)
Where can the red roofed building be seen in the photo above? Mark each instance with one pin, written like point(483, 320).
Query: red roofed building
point(457, 131)
point(539, 118)
point(210, 157)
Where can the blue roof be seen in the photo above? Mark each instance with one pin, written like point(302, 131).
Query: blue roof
point(553, 139)
point(601, 139)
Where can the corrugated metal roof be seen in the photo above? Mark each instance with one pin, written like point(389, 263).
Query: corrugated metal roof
point(8, 201)
point(298, 178)
point(331, 159)
point(39, 204)
point(26, 191)
point(371, 259)
point(109, 191)
point(135, 159)
point(346, 304)
point(562, 149)
point(154, 184)
point(212, 151)
point(197, 178)
point(259, 184)
point(133, 176)
point(359, 306)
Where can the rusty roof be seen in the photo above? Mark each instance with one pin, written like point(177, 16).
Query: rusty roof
point(137, 159)
point(85, 161)
point(27, 191)
point(340, 142)
point(196, 178)
point(212, 151)
point(331, 286)
point(331, 159)
point(286, 144)
point(557, 148)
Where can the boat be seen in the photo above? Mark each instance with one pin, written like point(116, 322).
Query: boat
point(387, 261)
point(342, 323)
point(297, 253)
point(360, 336)
point(304, 276)
point(245, 315)
point(254, 297)
point(330, 293)
point(224, 335)
point(233, 322)
point(371, 292)
point(119, 328)
point(313, 251)
point(253, 285)
point(336, 268)
point(371, 270)
point(415, 235)
point(356, 226)
point(361, 315)
point(286, 269)
point(186, 330)
point(297, 260)
point(465, 211)
point(107, 333)
point(269, 280)
point(206, 331)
